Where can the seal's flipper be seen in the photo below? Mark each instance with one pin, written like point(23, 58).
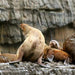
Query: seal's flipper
point(14, 62)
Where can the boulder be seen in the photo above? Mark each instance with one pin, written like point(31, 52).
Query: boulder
point(28, 68)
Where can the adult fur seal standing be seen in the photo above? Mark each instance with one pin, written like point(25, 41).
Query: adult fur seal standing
point(33, 46)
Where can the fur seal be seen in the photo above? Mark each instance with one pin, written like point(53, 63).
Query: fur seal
point(59, 55)
point(33, 46)
point(51, 54)
point(69, 46)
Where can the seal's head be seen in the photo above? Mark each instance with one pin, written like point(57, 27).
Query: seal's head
point(23, 26)
point(54, 44)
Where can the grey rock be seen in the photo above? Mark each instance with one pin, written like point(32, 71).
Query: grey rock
point(28, 68)
point(4, 4)
point(10, 34)
point(58, 12)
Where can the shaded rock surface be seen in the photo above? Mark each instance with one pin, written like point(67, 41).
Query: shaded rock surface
point(9, 33)
point(28, 68)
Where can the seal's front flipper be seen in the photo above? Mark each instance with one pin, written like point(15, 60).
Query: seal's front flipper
point(50, 58)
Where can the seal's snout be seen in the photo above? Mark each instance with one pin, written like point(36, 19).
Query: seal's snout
point(21, 25)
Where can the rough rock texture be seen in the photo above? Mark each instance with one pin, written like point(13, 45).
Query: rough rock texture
point(56, 12)
point(28, 68)
point(9, 33)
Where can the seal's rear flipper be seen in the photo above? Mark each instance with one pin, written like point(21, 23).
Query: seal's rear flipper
point(40, 62)
point(44, 65)
point(14, 62)
point(67, 61)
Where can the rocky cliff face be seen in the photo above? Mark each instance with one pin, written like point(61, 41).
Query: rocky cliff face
point(38, 12)
point(42, 14)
